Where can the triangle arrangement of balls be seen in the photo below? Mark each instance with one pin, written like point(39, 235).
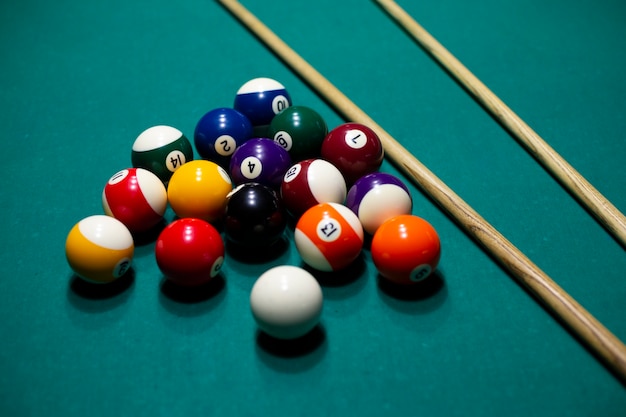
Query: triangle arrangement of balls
point(261, 163)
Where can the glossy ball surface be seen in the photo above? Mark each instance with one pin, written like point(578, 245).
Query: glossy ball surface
point(219, 132)
point(136, 197)
point(300, 130)
point(329, 237)
point(199, 189)
point(99, 249)
point(189, 252)
point(406, 249)
point(260, 160)
point(377, 197)
point(254, 216)
point(286, 302)
point(260, 99)
point(311, 182)
point(161, 150)
point(353, 148)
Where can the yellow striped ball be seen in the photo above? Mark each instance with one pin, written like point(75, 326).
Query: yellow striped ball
point(99, 249)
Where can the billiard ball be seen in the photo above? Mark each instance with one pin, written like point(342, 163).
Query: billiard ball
point(406, 249)
point(311, 182)
point(161, 150)
point(300, 130)
point(260, 160)
point(136, 197)
point(286, 302)
point(199, 189)
point(219, 132)
point(260, 99)
point(99, 249)
point(189, 252)
point(254, 216)
point(328, 237)
point(377, 197)
point(353, 148)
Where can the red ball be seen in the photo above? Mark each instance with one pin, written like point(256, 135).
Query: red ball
point(136, 197)
point(189, 252)
point(406, 249)
point(353, 148)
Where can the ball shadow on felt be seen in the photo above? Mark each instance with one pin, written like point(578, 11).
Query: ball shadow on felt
point(257, 254)
point(345, 276)
point(193, 294)
point(289, 348)
point(98, 291)
point(97, 298)
point(149, 236)
point(426, 289)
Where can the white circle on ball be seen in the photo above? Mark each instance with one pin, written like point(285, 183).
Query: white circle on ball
point(286, 302)
point(217, 266)
point(225, 145)
point(279, 103)
point(292, 173)
point(283, 139)
point(121, 267)
point(420, 272)
point(174, 160)
point(251, 167)
point(351, 218)
point(118, 177)
point(355, 138)
point(329, 229)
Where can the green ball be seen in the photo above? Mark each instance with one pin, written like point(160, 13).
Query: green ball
point(300, 130)
point(161, 150)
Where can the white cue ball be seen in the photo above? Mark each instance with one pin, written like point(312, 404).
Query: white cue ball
point(286, 302)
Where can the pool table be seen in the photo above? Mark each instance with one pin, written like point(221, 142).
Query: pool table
point(80, 80)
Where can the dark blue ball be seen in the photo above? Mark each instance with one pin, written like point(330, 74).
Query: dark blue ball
point(219, 132)
point(260, 100)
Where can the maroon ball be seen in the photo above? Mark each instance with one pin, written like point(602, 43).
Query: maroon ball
point(353, 148)
point(311, 182)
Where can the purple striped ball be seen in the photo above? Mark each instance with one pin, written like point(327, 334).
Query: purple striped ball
point(377, 197)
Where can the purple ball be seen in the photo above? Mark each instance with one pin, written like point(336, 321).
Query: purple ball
point(377, 197)
point(260, 160)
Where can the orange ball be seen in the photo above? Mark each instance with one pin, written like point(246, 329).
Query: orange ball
point(406, 249)
point(329, 237)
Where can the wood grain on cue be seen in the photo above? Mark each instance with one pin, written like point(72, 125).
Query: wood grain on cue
point(587, 195)
point(588, 329)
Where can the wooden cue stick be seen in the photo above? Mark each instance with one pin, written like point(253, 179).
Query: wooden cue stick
point(588, 329)
point(605, 212)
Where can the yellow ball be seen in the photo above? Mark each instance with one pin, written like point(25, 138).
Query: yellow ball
point(99, 249)
point(199, 189)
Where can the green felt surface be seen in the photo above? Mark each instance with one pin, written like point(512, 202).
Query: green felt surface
point(80, 80)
